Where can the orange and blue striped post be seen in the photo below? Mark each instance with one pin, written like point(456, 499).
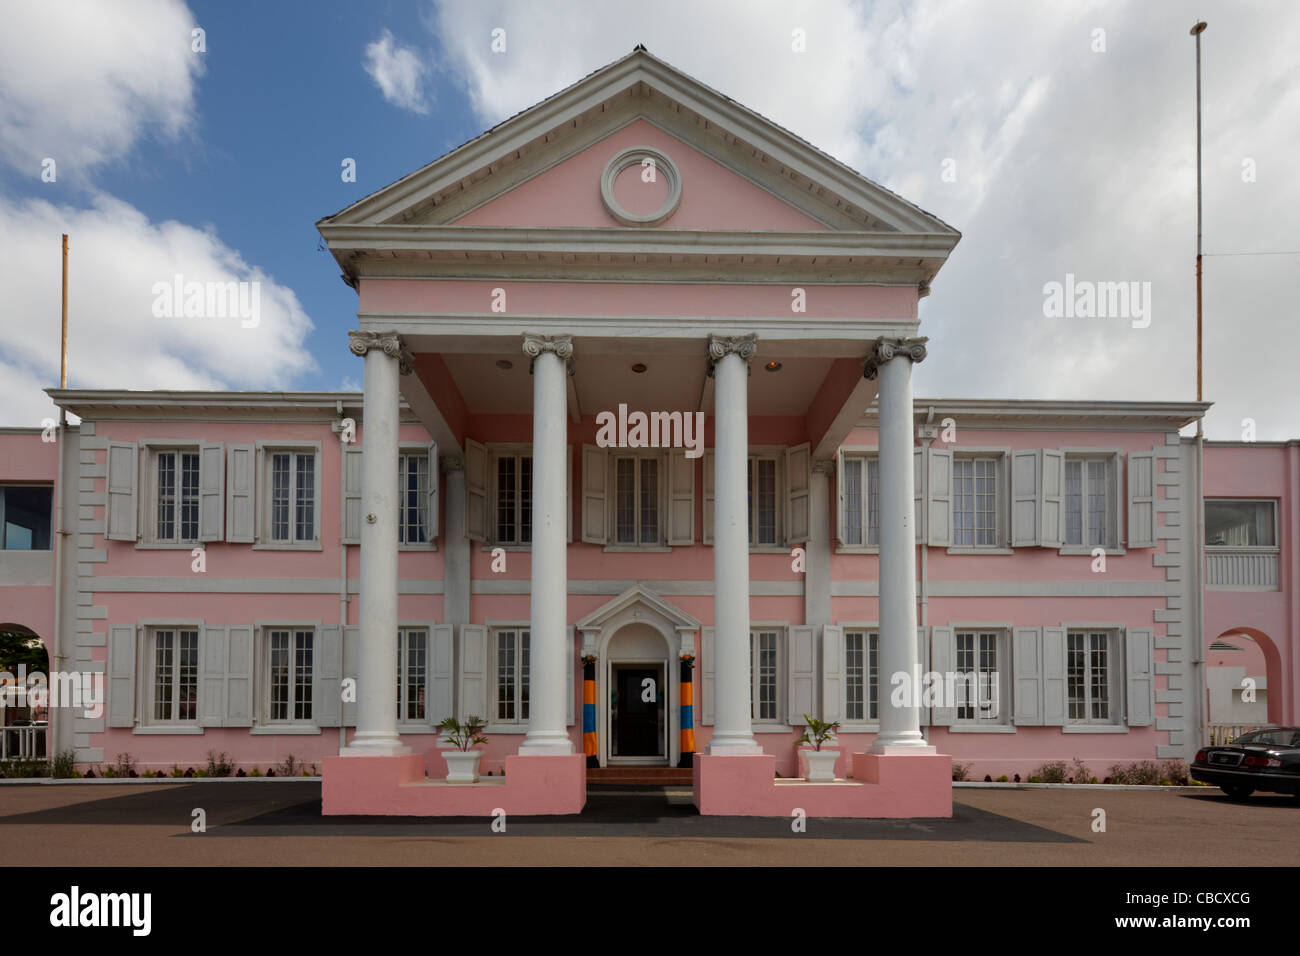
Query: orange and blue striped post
point(589, 711)
point(688, 712)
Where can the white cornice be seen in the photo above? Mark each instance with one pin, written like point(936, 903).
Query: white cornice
point(1034, 413)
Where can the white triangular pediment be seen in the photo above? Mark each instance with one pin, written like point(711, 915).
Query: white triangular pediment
point(639, 595)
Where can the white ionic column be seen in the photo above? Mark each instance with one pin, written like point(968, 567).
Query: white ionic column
point(732, 714)
point(376, 732)
point(900, 727)
point(547, 733)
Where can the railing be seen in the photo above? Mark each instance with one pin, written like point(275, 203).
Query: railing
point(1219, 734)
point(22, 742)
point(1241, 569)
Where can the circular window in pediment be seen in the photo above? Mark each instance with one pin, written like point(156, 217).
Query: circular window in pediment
point(641, 187)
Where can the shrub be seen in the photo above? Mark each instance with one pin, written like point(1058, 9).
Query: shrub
point(1176, 772)
point(988, 779)
point(1034, 779)
point(960, 771)
point(290, 766)
point(1051, 772)
point(219, 764)
point(125, 766)
point(1080, 773)
point(26, 768)
point(176, 771)
point(64, 765)
point(254, 772)
point(1003, 779)
point(1144, 773)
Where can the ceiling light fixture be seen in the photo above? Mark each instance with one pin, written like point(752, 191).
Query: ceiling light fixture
point(505, 364)
point(639, 367)
point(773, 366)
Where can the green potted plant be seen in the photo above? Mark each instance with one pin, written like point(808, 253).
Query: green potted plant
point(821, 763)
point(462, 763)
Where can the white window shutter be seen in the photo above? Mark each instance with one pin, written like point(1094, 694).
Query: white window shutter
point(1027, 657)
point(840, 531)
point(214, 656)
point(351, 664)
point(707, 532)
point(327, 677)
point(1139, 670)
point(833, 673)
point(1141, 499)
point(568, 492)
point(212, 491)
point(351, 518)
point(121, 675)
point(1053, 676)
point(918, 493)
point(923, 668)
point(439, 676)
point(435, 486)
point(801, 693)
point(474, 658)
point(240, 482)
point(595, 477)
point(570, 663)
point(706, 676)
point(1025, 497)
point(1051, 513)
point(798, 473)
point(940, 498)
point(123, 473)
point(239, 677)
point(681, 504)
point(944, 652)
point(476, 484)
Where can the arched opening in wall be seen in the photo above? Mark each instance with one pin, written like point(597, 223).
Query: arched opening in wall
point(23, 721)
point(1243, 682)
point(638, 696)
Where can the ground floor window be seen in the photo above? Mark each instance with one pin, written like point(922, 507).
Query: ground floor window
point(412, 668)
point(861, 673)
point(512, 646)
point(174, 660)
point(289, 671)
point(1091, 677)
point(765, 674)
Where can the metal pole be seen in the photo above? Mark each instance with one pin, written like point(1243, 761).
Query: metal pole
point(1198, 655)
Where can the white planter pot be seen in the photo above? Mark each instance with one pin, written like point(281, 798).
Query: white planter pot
point(821, 765)
point(462, 765)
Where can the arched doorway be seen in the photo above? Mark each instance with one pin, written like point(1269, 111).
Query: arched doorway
point(638, 696)
point(23, 727)
point(1237, 654)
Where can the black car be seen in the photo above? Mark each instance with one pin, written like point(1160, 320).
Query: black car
point(1266, 760)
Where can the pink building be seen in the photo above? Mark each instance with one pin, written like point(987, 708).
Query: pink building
point(638, 404)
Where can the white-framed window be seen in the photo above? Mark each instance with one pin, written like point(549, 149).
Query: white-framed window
point(1090, 506)
point(413, 497)
point(977, 512)
point(291, 499)
point(512, 664)
point(26, 516)
point(861, 500)
point(412, 673)
point(289, 670)
point(173, 482)
point(172, 661)
point(767, 674)
point(638, 484)
point(983, 676)
point(861, 676)
point(1092, 675)
point(513, 496)
point(1240, 523)
point(764, 494)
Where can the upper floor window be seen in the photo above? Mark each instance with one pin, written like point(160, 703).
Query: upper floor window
point(637, 489)
point(861, 499)
point(1090, 512)
point(976, 492)
point(175, 474)
point(762, 500)
point(514, 499)
point(293, 498)
point(26, 513)
point(1233, 523)
point(413, 498)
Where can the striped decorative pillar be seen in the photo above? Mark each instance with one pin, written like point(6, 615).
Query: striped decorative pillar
point(688, 712)
point(589, 711)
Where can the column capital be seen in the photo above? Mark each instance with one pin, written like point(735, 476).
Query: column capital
point(361, 342)
point(885, 349)
point(721, 346)
point(450, 463)
point(823, 466)
point(535, 344)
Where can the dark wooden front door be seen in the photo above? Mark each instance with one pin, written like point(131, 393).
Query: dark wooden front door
point(637, 722)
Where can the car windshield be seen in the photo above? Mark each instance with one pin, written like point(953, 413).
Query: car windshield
point(1273, 738)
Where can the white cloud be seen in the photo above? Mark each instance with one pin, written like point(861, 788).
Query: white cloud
point(80, 82)
point(115, 341)
point(1067, 161)
point(398, 72)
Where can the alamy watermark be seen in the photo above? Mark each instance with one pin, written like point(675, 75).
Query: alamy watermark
point(208, 300)
point(1084, 299)
point(76, 689)
point(651, 430)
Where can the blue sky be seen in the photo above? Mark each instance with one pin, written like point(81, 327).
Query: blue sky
point(1071, 158)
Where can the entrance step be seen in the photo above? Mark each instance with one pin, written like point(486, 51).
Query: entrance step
point(640, 776)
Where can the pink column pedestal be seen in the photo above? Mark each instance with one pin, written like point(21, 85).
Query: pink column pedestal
point(397, 786)
point(881, 786)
